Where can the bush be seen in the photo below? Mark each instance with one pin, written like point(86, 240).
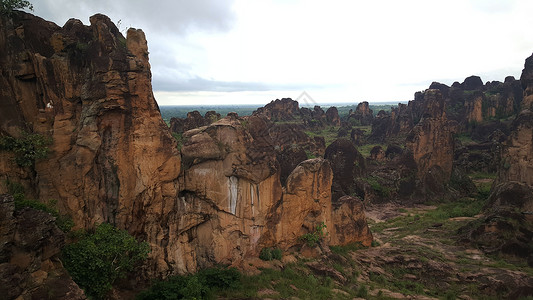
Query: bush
point(270, 254)
point(266, 254)
point(7, 6)
point(312, 238)
point(28, 148)
point(277, 253)
point(201, 285)
point(101, 257)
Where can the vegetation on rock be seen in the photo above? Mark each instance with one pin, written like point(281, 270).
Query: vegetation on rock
point(312, 238)
point(28, 148)
point(102, 256)
point(202, 285)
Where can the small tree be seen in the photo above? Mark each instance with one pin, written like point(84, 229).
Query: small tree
point(7, 6)
point(99, 258)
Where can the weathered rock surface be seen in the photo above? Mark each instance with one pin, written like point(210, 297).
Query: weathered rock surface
point(30, 244)
point(431, 140)
point(362, 114)
point(88, 88)
point(113, 159)
point(347, 165)
point(349, 221)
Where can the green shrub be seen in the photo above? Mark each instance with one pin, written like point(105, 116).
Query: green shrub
point(266, 254)
point(101, 257)
point(7, 6)
point(312, 238)
point(270, 254)
point(362, 292)
point(277, 253)
point(201, 285)
point(28, 148)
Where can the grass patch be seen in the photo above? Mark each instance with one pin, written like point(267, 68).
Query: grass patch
point(292, 281)
point(345, 249)
point(329, 134)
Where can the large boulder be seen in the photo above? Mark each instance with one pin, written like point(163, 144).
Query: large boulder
point(30, 248)
point(347, 164)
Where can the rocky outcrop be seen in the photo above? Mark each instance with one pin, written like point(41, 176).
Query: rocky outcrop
point(349, 222)
point(216, 200)
point(88, 88)
point(30, 244)
point(507, 225)
point(347, 165)
point(517, 155)
point(527, 84)
point(362, 114)
point(193, 120)
point(332, 116)
point(431, 140)
point(278, 110)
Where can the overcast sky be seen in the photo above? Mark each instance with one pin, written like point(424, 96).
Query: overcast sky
point(251, 52)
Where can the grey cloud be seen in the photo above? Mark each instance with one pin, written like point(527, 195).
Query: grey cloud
point(208, 85)
point(173, 16)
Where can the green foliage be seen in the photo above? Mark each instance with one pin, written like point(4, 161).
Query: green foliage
point(201, 285)
point(266, 254)
point(309, 154)
point(343, 250)
point(270, 254)
point(377, 187)
point(101, 257)
point(312, 238)
point(179, 138)
point(7, 6)
point(64, 222)
point(362, 292)
point(27, 148)
point(277, 253)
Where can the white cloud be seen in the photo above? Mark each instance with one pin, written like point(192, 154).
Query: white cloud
point(336, 50)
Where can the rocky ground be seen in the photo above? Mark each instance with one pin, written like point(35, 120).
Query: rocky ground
point(418, 253)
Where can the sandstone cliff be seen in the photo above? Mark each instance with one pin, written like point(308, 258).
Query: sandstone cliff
point(113, 159)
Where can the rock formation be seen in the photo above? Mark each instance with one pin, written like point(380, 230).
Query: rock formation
point(507, 226)
point(30, 244)
point(363, 114)
point(431, 140)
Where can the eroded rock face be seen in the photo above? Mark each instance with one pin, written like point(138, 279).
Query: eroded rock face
point(114, 160)
point(303, 208)
point(349, 222)
point(431, 140)
point(88, 88)
point(347, 164)
point(527, 84)
point(517, 155)
point(363, 114)
point(29, 264)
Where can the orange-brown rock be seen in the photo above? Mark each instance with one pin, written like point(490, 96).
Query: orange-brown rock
point(363, 114)
point(306, 203)
point(332, 116)
point(431, 140)
point(526, 80)
point(285, 109)
point(112, 158)
point(349, 222)
point(29, 255)
point(517, 154)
